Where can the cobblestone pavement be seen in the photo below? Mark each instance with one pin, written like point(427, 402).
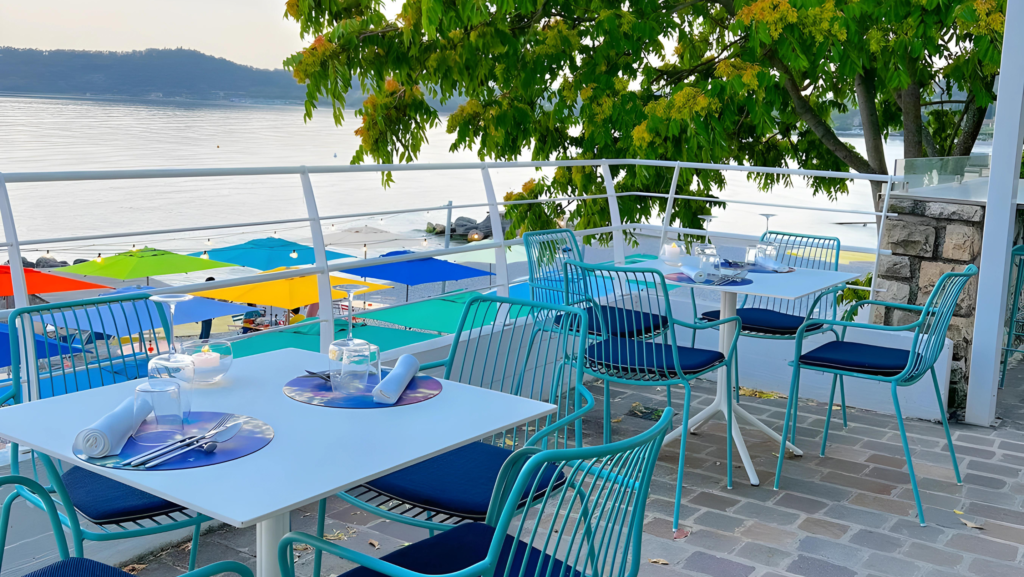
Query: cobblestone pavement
point(848, 514)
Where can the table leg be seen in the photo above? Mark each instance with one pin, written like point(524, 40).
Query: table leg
point(268, 535)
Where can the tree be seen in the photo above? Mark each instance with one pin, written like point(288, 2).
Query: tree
point(752, 82)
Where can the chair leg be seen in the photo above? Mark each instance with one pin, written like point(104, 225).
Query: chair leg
point(737, 380)
point(682, 459)
point(828, 415)
point(607, 414)
point(321, 513)
point(728, 431)
point(842, 399)
point(796, 411)
point(194, 550)
point(5, 517)
point(945, 425)
point(906, 451)
point(794, 387)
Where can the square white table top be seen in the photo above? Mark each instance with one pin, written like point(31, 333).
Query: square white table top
point(316, 451)
point(790, 285)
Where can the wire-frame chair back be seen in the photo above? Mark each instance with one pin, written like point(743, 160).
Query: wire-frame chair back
point(546, 253)
point(85, 344)
point(1015, 311)
point(801, 251)
point(594, 525)
point(639, 298)
point(521, 348)
point(930, 335)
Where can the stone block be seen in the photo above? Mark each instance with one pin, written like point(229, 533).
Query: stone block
point(962, 242)
point(929, 276)
point(892, 291)
point(949, 211)
point(905, 206)
point(901, 317)
point(983, 546)
point(910, 236)
point(895, 266)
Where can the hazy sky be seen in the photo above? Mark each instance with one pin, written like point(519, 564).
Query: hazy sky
point(246, 31)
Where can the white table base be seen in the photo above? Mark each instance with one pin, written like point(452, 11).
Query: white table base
point(725, 335)
point(268, 535)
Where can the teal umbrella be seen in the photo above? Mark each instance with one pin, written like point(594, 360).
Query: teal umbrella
point(267, 253)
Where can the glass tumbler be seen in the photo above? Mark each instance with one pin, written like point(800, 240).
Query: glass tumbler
point(751, 257)
point(160, 400)
point(181, 370)
point(349, 365)
point(708, 255)
point(767, 250)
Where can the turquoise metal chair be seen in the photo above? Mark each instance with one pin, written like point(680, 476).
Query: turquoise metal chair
point(517, 347)
point(77, 566)
point(898, 367)
point(1015, 330)
point(770, 318)
point(114, 338)
point(657, 361)
point(591, 525)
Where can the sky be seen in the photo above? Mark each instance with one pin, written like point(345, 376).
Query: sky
point(250, 32)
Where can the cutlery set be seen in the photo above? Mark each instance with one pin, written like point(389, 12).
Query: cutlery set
point(220, 432)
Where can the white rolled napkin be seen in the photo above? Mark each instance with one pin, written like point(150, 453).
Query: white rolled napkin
point(770, 264)
point(108, 435)
point(393, 385)
point(695, 273)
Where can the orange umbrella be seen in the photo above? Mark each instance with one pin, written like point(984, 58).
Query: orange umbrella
point(41, 283)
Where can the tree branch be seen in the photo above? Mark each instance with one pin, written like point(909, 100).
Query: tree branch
point(379, 32)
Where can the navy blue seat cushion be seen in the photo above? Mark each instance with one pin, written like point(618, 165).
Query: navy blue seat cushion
point(633, 356)
point(764, 321)
point(78, 567)
point(858, 358)
point(622, 322)
point(463, 546)
point(103, 500)
point(459, 482)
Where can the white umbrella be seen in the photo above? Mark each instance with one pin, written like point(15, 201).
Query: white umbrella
point(516, 253)
point(373, 238)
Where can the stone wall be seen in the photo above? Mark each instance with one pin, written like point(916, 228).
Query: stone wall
point(928, 239)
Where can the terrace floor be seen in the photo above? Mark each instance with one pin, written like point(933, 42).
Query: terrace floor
point(848, 514)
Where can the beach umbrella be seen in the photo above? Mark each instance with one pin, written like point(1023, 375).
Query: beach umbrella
point(267, 253)
point(373, 238)
point(45, 347)
point(143, 263)
point(515, 253)
point(286, 294)
point(417, 271)
point(194, 310)
point(43, 283)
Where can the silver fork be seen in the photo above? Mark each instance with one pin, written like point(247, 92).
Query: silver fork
point(149, 455)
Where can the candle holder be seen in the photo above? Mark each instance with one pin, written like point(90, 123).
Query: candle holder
point(212, 359)
point(671, 254)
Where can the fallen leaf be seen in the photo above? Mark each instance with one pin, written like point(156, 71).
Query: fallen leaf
point(301, 547)
point(789, 454)
point(336, 536)
point(134, 568)
point(747, 392)
point(971, 525)
point(374, 544)
point(617, 420)
point(958, 512)
point(658, 561)
point(681, 534)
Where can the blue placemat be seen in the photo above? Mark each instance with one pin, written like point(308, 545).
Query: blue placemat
point(316, 391)
point(683, 278)
point(253, 436)
point(734, 265)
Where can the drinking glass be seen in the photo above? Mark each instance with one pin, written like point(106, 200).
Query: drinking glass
point(708, 255)
point(767, 250)
point(212, 359)
point(751, 257)
point(174, 365)
point(349, 364)
point(160, 399)
point(349, 290)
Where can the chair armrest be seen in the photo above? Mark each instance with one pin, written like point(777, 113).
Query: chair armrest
point(853, 309)
point(709, 324)
point(433, 365)
point(553, 427)
point(8, 396)
point(507, 476)
point(221, 567)
point(372, 563)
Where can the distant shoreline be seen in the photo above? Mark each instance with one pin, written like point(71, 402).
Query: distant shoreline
point(145, 99)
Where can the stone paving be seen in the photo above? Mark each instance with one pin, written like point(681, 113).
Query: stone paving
point(848, 514)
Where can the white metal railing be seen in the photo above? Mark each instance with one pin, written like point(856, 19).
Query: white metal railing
point(315, 221)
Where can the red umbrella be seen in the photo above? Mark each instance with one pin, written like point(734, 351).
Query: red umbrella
point(41, 282)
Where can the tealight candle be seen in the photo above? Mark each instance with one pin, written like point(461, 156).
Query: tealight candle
point(205, 359)
point(673, 251)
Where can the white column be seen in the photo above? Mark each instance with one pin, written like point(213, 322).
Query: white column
point(20, 288)
point(497, 234)
point(323, 278)
point(990, 315)
point(618, 237)
point(268, 534)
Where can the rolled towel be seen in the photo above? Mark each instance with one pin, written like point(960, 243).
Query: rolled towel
point(695, 273)
point(393, 385)
point(108, 435)
point(770, 264)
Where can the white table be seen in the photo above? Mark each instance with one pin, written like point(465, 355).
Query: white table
point(793, 285)
point(316, 451)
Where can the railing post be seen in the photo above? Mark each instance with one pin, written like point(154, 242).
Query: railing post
point(323, 278)
point(668, 208)
point(20, 289)
point(497, 233)
point(447, 241)
point(881, 231)
point(618, 237)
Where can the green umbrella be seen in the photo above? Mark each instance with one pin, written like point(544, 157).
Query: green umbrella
point(145, 262)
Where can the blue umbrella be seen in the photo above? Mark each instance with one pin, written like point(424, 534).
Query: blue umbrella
point(267, 253)
point(194, 310)
point(45, 347)
point(418, 271)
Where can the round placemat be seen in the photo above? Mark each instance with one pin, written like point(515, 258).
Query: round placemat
point(253, 436)
point(316, 391)
point(733, 265)
point(684, 279)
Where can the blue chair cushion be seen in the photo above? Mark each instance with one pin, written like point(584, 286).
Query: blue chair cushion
point(465, 545)
point(633, 356)
point(622, 322)
point(857, 358)
point(764, 321)
point(78, 567)
point(104, 501)
point(458, 482)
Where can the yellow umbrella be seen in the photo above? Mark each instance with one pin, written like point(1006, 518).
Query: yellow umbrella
point(845, 256)
point(286, 294)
